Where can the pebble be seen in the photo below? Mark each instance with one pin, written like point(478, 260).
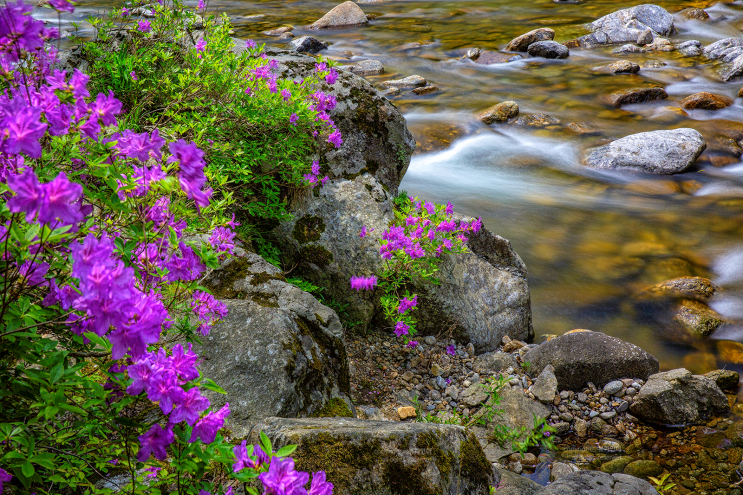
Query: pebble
point(612, 388)
point(430, 340)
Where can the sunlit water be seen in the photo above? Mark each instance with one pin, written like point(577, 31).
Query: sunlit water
point(590, 239)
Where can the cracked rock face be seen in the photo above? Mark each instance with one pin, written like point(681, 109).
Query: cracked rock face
point(278, 352)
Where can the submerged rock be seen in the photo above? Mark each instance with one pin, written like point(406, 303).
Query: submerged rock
point(582, 357)
point(536, 120)
point(308, 44)
point(636, 95)
point(500, 112)
point(626, 26)
point(618, 67)
point(385, 457)
point(375, 137)
point(343, 15)
point(691, 48)
point(693, 13)
point(521, 43)
point(706, 101)
point(490, 58)
point(367, 68)
point(276, 331)
point(598, 483)
point(699, 288)
point(677, 398)
point(658, 152)
point(548, 49)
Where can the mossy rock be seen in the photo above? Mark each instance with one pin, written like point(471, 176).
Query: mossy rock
point(616, 465)
point(643, 469)
point(385, 457)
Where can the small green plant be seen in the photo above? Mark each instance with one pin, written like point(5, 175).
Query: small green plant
point(304, 285)
point(660, 484)
point(492, 387)
point(429, 417)
point(526, 365)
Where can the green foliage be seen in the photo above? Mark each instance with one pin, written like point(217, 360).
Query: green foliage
point(660, 484)
point(304, 285)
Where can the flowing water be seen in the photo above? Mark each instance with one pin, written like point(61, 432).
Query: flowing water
point(590, 239)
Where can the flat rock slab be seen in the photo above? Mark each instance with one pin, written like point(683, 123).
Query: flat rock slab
point(548, 49)
point(598, 483)
point(658, 152)
point(699, 288)
point(385, 457)
point(367, 68)
point(343, 15)
point(725, 50)
point(490, 58)
point(521, 43)
point(536, 120)
point(636, 95)
point(409, 82)
point(706, 101)
point(618, 67)
point(582, 357)
point(677, 397)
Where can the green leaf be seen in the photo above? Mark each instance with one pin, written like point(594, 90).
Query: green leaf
point(56, 373)
point(27, 469)
point(266, 443)
point(210, 385)
point(286, 450)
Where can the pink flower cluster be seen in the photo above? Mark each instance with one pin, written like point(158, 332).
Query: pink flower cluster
point(313, 178)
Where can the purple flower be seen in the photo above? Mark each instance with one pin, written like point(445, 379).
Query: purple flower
point(61, 201)
point(363, 283)
point(156, 440)
point(406, 304)
point(451, 350)
point(21, 127)
point(184, 362)
point(28, 194)
point(365, 232)
point(16, 24)
point(105, 107)
point(324, 180)
point(449, 208)
point(245, 461)
point(4, 477)
point(222, 239)
point(412, 344)
point(125, 12)
point(165, 390)
point(189, 408)
point(331, 77)
point(62, 5)
point(142, 373)
point(401, 329)
point(201, 45)
point(286, 94)
point(476, 225)
point(430, 208)
point(201, 5)
point(144, 26)
point(319, 486)
point(208, 310)
point(113, 461)
point(282, 479)
point(204, 492)
point(293, 119)
point(547, 434)
point(335, 138)
point(272, 85)
point(250, 44)
point(315, 168)
point(191, 162)
point(321, 67)
point(152, 471)
point(134, 76)
point(206, 429)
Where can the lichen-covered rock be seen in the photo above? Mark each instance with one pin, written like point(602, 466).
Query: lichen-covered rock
point(343, 15)
point(483, 294)
point(409, 82)
point(519, 411)
point(375, 137)
point(494, 361)
point(706, 101)
point(521, 43)
point(385, 457)
point(658, 152)
point(636, 95)
point(627, 25)
point(598, 483)
point(725, 50)
point(548, 49)
point(699, 288)
point(677, 397)
point(582, 357)
point(367, 67)
point(725, 379)
point(691, 48)
point(273, 329)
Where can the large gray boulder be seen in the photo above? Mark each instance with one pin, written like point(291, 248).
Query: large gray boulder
point(677, 397)
point(343, 15)
point(514, 484)
point(730, 52)
point(482, 295)
point(375, 137)
point(278, 352)
point(627, 25)
point(584, 356)
point(598, 483)
point(658, 152)
point(385, 457)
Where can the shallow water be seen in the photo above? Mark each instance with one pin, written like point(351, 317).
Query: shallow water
point(590, 239)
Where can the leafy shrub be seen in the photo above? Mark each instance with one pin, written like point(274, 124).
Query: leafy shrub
point(106, 227)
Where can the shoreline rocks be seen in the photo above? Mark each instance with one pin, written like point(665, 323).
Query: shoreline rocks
point(658, 152)
point(627, 25)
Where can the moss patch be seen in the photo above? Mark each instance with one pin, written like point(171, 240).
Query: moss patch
point(443, 459)
point(475, 465)
point(308, 229)
point(334, 408)
point(340, 459)
point(316, 255)
point(407, 480)
point(221, 284)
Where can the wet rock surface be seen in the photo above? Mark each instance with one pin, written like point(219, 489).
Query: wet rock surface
point(706, 101)
point(308, 44)
point(499, 112)
point(658, 152)
point(619, 67)
point(521, 43)
point(367, 68)
point(385, 457)
point(598, 483)
point(627, 25)
point(548, 49)
point(639, 95)
point(343, 15)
